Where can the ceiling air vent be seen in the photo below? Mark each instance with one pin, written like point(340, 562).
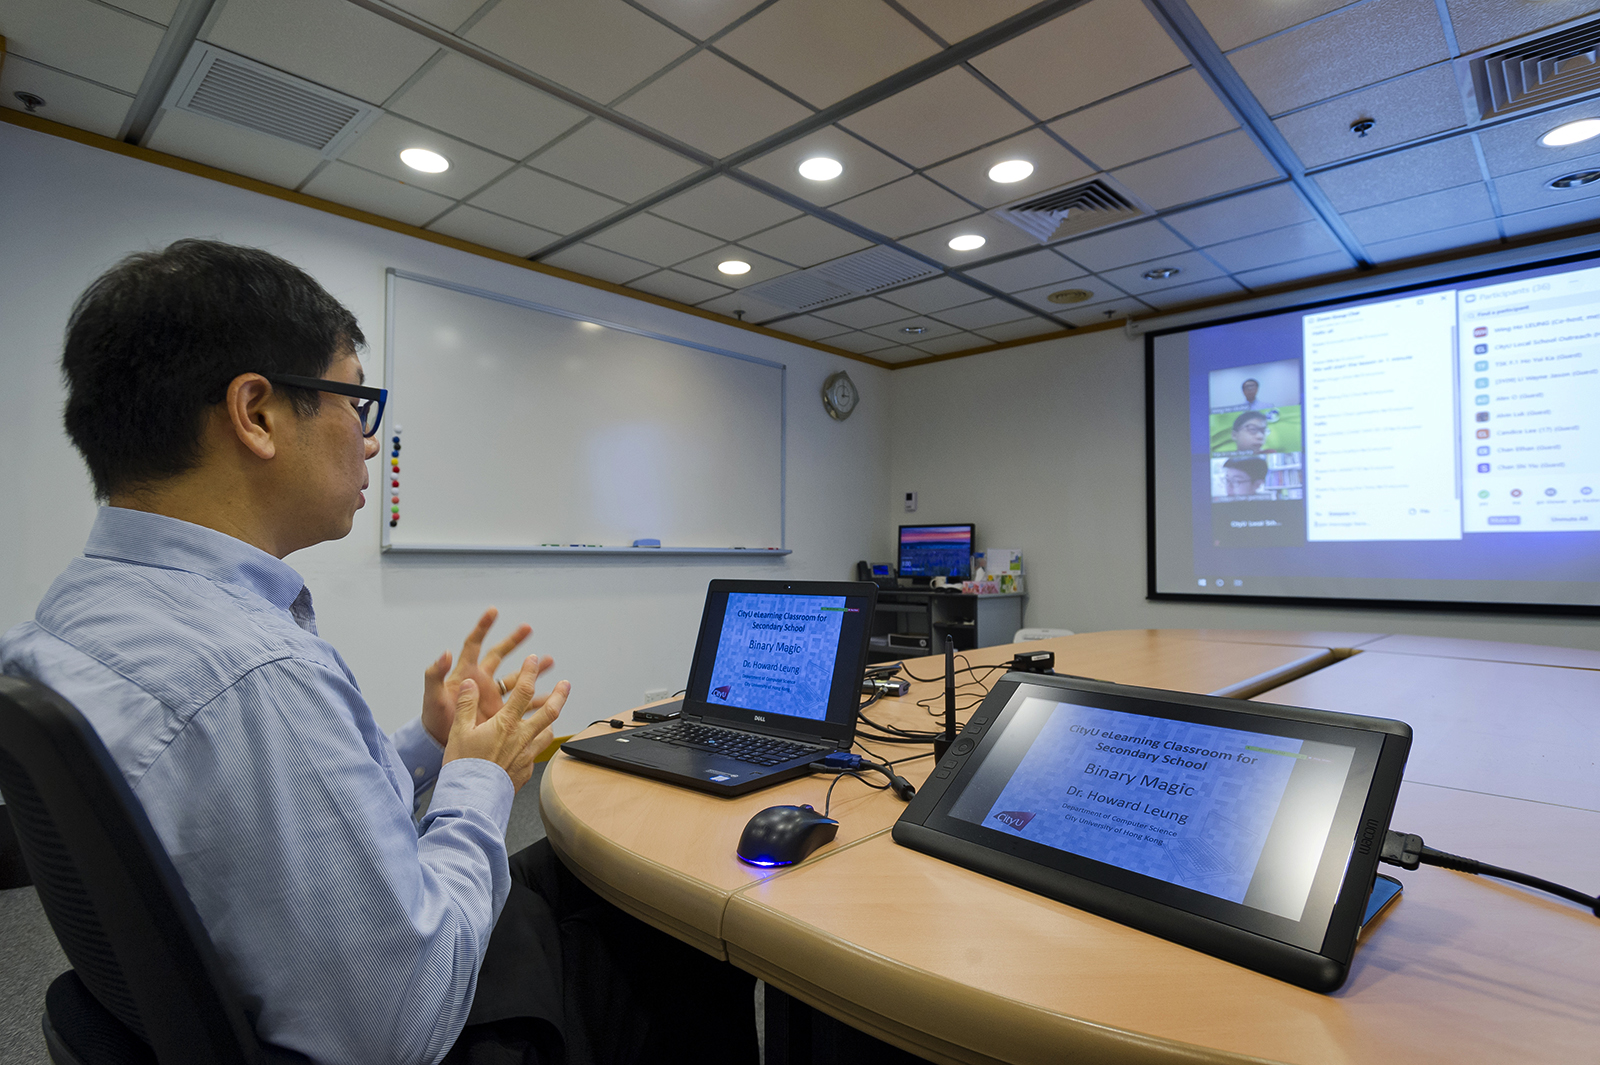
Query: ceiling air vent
point(1069, 211)
point(1544, 70)
point(847, 277)
point(245, 93)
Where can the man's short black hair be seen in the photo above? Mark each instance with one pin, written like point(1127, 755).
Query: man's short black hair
point(1249, 416)
point(1249, 381)
point(155, 340)
point(1256, 468)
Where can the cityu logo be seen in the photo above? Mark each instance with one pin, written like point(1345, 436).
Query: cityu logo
point(1015, 818)
point(723, 692)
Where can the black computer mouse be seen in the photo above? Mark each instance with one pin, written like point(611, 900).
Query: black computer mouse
point(783, 835)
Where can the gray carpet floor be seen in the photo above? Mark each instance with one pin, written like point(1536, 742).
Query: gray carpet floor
point(30, 957)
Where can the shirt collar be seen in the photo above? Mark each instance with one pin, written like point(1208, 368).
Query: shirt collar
point(147, 539)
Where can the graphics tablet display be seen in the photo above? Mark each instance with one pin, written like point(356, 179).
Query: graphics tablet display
point(1247, 830)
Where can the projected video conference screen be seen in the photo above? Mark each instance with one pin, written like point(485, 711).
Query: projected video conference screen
point(1440, 444)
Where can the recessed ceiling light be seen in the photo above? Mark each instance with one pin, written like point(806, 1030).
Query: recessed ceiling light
point(734, 266)
point(424, 160)
point(821, 168)
point(1070, 295)
point(1574, 181)
point(1161, 273)
point(967, 242)
point(1010, 170)
point(914, 330)
point(1571, 133)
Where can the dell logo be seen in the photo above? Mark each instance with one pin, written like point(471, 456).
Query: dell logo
point(758, 717)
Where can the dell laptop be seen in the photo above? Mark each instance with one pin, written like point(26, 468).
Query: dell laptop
point(774, 686)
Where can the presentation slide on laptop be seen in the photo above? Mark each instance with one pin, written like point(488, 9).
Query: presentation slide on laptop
point(776, 653)
point(1193, 805)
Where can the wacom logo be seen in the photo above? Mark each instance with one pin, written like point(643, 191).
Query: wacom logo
point(723, 692)
point(1015, 818)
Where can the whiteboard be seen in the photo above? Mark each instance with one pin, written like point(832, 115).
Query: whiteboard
point(527, 428)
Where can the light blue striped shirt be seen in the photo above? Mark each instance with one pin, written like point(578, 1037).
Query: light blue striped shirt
point(354, 934)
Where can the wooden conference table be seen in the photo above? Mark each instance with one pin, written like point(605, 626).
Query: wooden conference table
point(956, 967)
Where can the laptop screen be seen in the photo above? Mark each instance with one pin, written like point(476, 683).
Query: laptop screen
point(790, 648)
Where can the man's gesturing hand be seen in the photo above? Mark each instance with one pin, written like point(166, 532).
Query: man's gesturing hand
point(508, 739)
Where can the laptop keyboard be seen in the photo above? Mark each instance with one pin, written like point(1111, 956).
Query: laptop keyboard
point(748, 747)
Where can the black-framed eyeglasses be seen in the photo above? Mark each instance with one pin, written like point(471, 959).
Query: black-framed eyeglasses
point(370, 411)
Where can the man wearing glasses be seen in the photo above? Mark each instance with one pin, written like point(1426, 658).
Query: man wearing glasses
point(217, 398)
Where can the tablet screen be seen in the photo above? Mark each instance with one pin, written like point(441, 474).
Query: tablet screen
point(1238, 815)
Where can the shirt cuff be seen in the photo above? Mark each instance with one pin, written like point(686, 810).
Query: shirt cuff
point(420, 753)
point(473, 784)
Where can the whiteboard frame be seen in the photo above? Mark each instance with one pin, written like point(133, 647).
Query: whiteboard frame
point(391, 275)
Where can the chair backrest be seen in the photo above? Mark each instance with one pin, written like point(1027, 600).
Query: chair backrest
point(1024, 635)
point(110, 891)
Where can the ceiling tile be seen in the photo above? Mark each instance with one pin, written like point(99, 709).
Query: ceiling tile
point(68, 100)
point(330, 42)
point(1457, 237)
point(726, 207)
point(999, 237)
point(745, 307)
point(1242, 215)
point(1027, 327)
point(948, 114)
point(1052, 165)
point(477, 104)
point(956, 20)
point(1042, 267)
point(380, 146)
point(862, 313)
point(1577, 213)
point(446, 14)
point(1277, 246)
point(896, 330)
point(896, 355)
point(761, 267)
point(809, 327)
point(1151, 119)
point(1317, 266)
point(1436, 210)
point(230, 148)
point(655, 240)
point(700, 18)
point(1515, 146)
point(601, 48)
point(1184, 295)
point(806, 241)
point(824, 50)
point(1235, 22)
point(492, 231)
point(711, 104)
point(1527, 190)
point(1108, 311)
point(676, 286)
point(1118, 247)
point(864, 167)
point(1067, 63)
point(602, 157)
point(954, 342)
point(1200, 170)
point(982, 314)
point(860, 343)
point(590, 261)
point(82, 38)
point(544, 201)
point(1100, 292)
point(929, 297)
point(1479, 24)
point(155, 10)
point(907, 206)
point(1402, 110)
point(354, 187)
point(1192, 265)
point(1440, 165)
point(1351, 48)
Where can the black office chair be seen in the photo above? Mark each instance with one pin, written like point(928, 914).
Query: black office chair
point(146, 987)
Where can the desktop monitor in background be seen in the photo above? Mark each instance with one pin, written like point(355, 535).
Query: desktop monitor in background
point(929, 551)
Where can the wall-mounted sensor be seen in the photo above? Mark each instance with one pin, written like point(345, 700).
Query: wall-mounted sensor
point(911, 501)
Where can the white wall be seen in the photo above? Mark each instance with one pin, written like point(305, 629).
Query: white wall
point(1043, 448)
point(616, 627)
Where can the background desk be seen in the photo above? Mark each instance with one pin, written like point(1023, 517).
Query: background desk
point(971, 620)
point(957, 967)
